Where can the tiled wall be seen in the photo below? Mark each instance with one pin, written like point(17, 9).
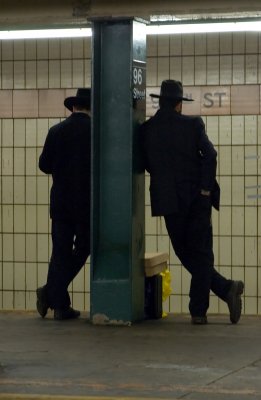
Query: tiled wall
point(35, 78)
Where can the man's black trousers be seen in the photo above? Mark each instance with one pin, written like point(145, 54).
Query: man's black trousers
point(190, 232)
point(71, 248)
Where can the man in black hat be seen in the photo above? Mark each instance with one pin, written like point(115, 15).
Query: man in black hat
point(66, 156)
point(182, 163)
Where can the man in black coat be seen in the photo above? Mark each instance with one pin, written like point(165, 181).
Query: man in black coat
point(182, 163)
point(66, 156)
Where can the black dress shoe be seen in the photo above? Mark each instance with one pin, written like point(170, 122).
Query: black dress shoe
point(42, 301)
point(65, 313)
point(199, 320)
point(234, 300)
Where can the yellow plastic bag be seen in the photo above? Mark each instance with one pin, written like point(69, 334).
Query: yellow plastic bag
point(166, 287)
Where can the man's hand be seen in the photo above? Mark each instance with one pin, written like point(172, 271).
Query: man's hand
point(205, 192)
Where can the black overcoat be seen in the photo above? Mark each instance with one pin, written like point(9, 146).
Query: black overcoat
point(181, 161)
point(66, 156)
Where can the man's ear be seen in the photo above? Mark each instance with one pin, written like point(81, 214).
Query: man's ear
point(178, 107)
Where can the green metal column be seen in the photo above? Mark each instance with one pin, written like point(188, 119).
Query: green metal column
point(118, 82)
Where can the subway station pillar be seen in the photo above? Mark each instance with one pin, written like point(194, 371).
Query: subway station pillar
point(118, 108)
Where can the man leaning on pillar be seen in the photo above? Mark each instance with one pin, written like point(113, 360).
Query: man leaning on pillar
point(66, 156)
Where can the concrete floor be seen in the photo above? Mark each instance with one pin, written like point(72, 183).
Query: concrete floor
point(163, 359)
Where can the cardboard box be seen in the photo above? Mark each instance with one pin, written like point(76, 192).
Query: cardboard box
point(155, 263)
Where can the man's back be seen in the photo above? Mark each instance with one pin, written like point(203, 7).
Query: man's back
point(177, 152)
point(66, 155)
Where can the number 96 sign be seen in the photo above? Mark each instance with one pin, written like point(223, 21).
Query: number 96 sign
point(139, 82)
point(137, 76)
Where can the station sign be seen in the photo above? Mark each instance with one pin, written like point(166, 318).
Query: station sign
point(139, 87)
point(214, 100)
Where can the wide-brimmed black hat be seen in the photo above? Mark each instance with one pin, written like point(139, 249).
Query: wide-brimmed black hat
point(172, 90)
point(82, 98)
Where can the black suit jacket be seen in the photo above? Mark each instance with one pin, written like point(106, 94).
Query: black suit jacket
point(66, 155)
point(180, 159)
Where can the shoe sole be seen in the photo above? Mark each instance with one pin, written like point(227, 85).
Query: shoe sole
point(235, 304)
point(41, 305)
point(199, 321)
point(63, 315)
point(65, 318)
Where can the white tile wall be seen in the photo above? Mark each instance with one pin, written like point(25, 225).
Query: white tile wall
point(200, 60)
point(25, 243)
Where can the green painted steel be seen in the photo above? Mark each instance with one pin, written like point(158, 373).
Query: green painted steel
point(117, 272)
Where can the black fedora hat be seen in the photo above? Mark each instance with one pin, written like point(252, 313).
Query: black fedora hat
point(172, 90)
point(82, 98)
